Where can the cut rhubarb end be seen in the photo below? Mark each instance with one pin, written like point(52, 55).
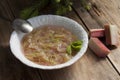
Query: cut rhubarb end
point(98, 47)
point(97, 33)
point(111, 34)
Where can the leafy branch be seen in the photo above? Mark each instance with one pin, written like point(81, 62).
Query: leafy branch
point(33, 10)
point(59, 6)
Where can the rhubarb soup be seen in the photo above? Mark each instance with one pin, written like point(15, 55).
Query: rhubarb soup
point(50, 45)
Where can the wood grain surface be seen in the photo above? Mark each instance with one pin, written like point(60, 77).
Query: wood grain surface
point(110, 13)
point(89, 67)
point(103, 12)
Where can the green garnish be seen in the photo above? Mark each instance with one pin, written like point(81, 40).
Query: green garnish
point(74, 46)
point(77, 45)
point(69, 50)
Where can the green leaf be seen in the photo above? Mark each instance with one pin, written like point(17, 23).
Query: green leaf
point(69, 8)
point(74, 46)
point(70, 3)
point(57, 1)
point(35, 13)
point(77, 45)
point(87, 7)
point(61, 10)
point(28, 12)
point(69, 50)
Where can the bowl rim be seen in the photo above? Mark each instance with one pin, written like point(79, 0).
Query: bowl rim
point(66, 64)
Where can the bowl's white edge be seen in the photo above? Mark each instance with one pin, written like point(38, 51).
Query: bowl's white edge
point(70, 62)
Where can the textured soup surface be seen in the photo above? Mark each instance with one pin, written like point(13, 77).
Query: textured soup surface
point(47, 45)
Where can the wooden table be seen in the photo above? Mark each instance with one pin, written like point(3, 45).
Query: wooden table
point(89, 67)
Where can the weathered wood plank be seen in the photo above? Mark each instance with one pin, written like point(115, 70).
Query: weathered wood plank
point(17, 5)
point(95, 20)
point(5, 11)
point(10, 67)
point(89, 67)
point(110, 12)
point(109, 9)
point(87, 20)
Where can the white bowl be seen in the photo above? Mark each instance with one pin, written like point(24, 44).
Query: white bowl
point(73, 26)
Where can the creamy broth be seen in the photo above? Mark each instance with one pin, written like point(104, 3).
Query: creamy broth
point(47, 45)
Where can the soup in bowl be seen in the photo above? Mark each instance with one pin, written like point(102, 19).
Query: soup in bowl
point(55, 42)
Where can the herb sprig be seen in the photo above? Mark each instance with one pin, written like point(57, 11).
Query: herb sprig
point(74, 46)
